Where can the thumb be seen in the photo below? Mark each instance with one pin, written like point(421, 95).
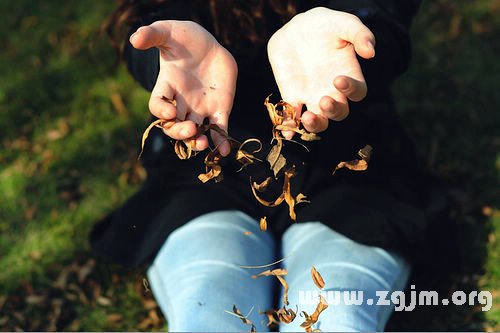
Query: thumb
point(360, 36)
point(153, 35)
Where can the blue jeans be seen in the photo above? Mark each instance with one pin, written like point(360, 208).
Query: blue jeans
point(197, 275)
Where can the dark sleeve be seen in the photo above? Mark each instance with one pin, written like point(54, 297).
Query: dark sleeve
point(389, 20)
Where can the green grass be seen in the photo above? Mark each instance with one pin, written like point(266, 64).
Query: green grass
point(69, 157)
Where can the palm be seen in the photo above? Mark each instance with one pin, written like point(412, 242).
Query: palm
point(197, 72)
point(309, 53)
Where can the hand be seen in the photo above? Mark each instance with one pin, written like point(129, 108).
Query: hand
point(313, 58)
point(196, 72)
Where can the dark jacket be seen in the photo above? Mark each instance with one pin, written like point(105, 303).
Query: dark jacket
point(383, 206)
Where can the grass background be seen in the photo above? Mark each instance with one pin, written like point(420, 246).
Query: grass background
point(70, 125)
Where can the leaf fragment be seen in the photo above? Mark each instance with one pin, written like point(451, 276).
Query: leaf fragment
point(313, 319)
point(272, 272)
point(246, 158)
point(286, 315)
point(261, 187)
point(365, 153)
point(263, 223)
point(213, 168)
point(354, 165)
point(317, 278)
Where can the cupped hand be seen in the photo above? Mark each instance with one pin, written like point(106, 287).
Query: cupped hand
point(314, 62)
point(195, 71)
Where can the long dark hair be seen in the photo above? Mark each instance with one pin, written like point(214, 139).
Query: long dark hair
point(234, 21)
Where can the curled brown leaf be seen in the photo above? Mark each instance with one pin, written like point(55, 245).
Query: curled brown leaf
point(354, 165)
point(263, 223)
point(261, 187)
point(317, 278)
point(313, 319)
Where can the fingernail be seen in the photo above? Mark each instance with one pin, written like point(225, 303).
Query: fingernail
point(165, 115)
point(132, 37)
point(370, 45)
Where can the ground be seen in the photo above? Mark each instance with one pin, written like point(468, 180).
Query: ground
point(70, 125)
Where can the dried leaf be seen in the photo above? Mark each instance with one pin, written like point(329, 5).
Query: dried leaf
point(272, 318)
point(213, 168)
point(289, 199)
point(236, 312)
point(355, 165)
point(171, 101)
point(275, 203)
point(276, 160)
point(263, 223)
point(317, 278)
point(276, 119)
point(310, 136)
point(246, 158)
point(285, 287)
point(286, 315)
point(273, 272)
point(146, 133)
point(300, 198)
point(313, 319)
point(247, 233)
point(261, 187)
point(184, 151)
point(365, 153)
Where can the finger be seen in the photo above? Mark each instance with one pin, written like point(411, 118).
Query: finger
point(290, 122)
point(355, 32)
point(334, 109)
point(353, 89)
point(220, 119)
point(313, 122)
point(153, 35)
point(201, 142)
point(159, 104)
point(181, 130)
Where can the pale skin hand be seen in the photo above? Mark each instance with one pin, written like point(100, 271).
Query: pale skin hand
point(197, 72)
point(314, 63)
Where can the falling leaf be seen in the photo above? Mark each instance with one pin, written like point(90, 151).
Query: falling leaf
point(355, 165)
point(246, 158)
point(146, 134)
point(236, 312)
point(289, 199)
point(213, 168)
point(309, 136)
point(271, 317)
point(263, 223)
point(286, 315)
point(261, 187)
point(276, 160)
point(275, 203)
point(313, 319)
point(285, 287)
point(274, 272)
point(365, 153)
point(317, 278)
point(300, 198)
